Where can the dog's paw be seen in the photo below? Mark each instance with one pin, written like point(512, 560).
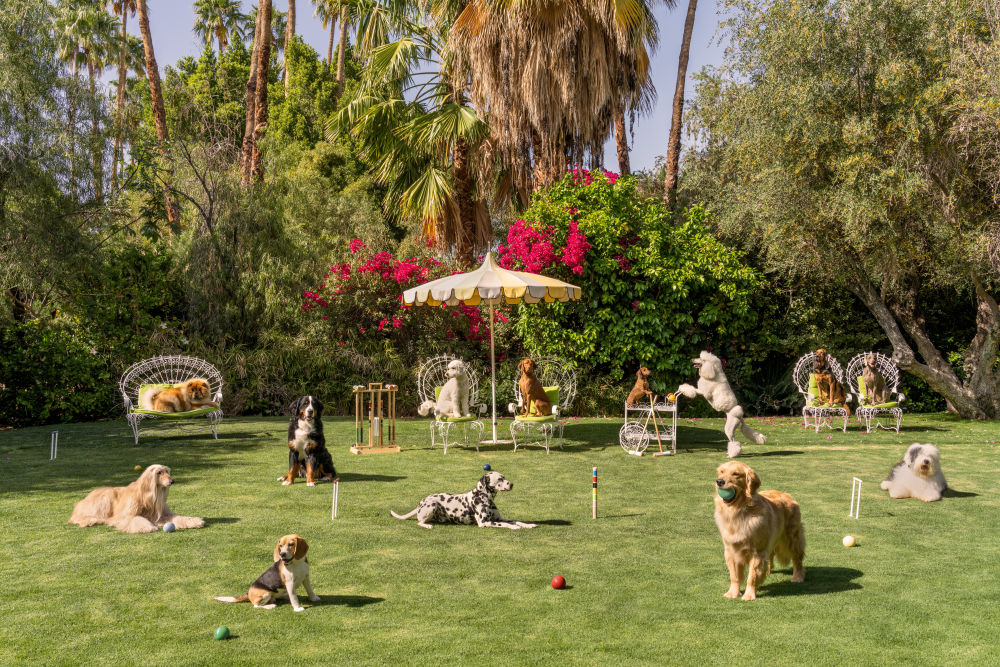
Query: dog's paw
point(299, 608)
point(310, 483)
point(733, 450)
point(314, 598)
point(285, 482)
point(265, 606)
point(733, 593)
point(749, 596)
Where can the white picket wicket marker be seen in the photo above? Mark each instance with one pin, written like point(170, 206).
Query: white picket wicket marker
point(336, 497)
point(53, 445)
point(855, 493)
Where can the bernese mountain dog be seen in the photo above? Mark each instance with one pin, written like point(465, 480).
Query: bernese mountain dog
point(307, 453)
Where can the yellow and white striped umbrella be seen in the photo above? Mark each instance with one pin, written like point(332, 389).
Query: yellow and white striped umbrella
point(491, 285)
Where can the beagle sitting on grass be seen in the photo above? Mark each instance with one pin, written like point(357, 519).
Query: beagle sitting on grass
point(290, 570)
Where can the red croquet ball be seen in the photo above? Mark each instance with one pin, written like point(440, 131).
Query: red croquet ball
point(558, 582)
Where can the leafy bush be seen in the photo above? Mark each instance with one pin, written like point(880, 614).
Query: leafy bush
point(655, 290)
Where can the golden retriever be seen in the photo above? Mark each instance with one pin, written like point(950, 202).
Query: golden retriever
point(191, 395)
point(532, 392)
point(756, 528)
point(140, 507)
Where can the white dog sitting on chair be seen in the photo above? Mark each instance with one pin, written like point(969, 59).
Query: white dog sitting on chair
point(714, 387)
point(453, 401)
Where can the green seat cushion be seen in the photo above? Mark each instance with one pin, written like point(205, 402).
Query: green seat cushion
point(814, 390)
point(189, 413)
point(553, 394)
point(467, 418)
point(893, 404)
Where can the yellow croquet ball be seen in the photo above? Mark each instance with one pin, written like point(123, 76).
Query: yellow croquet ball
point(849, 541)
point(671, 397)
point(137, 468)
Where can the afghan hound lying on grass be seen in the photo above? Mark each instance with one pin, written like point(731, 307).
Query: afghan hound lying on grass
point(140, 507)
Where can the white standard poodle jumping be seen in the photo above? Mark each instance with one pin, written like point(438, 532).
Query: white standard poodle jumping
point(453, 401)
point(714, 387)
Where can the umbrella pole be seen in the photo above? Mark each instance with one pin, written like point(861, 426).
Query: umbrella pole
point(493, 376)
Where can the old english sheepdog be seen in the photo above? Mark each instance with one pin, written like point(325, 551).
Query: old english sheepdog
point(918, 475)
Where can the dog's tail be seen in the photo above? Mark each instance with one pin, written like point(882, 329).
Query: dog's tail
point(239, 598)
point(425, 408)
point(885, 485)
point(147, 396)
point(848, 408)
point(403, 516)
point(752, 434)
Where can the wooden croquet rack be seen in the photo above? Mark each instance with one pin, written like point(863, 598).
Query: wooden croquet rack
point(378, 404)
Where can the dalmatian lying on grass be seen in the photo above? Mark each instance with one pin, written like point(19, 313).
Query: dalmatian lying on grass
point(475, 507)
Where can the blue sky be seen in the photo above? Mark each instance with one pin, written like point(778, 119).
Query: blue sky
point(171, 22)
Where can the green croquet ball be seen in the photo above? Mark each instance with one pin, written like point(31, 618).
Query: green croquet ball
point(727, 494)
point(222, 632)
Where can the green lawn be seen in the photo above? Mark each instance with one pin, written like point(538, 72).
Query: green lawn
point(645, 580)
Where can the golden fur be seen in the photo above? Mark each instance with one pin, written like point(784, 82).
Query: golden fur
point(532, 390)
point(640, 390)
point(140, 507)
point(191, 395)
point(829, 390)
point(756, 528)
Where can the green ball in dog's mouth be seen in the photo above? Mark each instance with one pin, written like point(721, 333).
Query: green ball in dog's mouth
point(727, 494)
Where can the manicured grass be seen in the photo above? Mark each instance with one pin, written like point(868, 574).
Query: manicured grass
point(645, 581)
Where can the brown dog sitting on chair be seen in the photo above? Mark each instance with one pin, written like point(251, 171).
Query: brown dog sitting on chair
point(829, 391)
point(640, 389)
point(532, 391)
point(875, 391)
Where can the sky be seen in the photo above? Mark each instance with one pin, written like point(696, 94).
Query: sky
point(172, 21)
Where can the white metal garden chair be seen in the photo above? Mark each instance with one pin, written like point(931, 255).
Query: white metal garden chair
point(168, 371)
point(869, 412)
point(430, 380)
point(814, 413)
point(559, 381)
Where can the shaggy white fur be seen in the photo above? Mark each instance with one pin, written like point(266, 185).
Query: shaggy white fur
point(454, 398)
point(714, 387)
point(918, 475)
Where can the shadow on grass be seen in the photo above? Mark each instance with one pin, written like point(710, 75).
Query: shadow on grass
point(783, 452)
point(345, 600)
point(551, 522)
point(360, 477)
point(819, 580)
point(221, 519)
point(952, 493)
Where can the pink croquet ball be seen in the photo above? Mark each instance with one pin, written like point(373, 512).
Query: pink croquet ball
point(558, 582)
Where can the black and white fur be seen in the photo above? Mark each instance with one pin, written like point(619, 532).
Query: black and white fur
point(307, 444)
point(475, 507)
point(714, 387)
point(453, 401)
point(918, 475)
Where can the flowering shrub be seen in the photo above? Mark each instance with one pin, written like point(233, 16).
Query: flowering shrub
point(655, 290)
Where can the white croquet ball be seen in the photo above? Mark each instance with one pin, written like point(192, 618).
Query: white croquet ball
point(849, 541)
point(169, 527)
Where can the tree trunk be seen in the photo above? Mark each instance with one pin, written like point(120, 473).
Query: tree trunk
point(466, 208)
point(621, 141)
point(120, 103)
point(674, 142)
point(96, 143)
point(156, 95)
point(260, 103)
point(251, 99)
point(341, 48)
point(72, 130)
point(329, 46)
point(289, 33)
point(220, 36)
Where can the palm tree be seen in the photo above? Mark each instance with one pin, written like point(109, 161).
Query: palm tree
point(411, 122)
point(342, 47)
point(256, 98)
point(674, 142)
point(68, 50)
point(327, 11)
point(278, 26)
point(219, 19)
point(156, 96)
point(289, 34)
point(122, 9)
point(550, 74)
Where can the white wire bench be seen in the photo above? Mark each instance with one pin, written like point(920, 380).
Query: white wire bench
point(169, 370)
